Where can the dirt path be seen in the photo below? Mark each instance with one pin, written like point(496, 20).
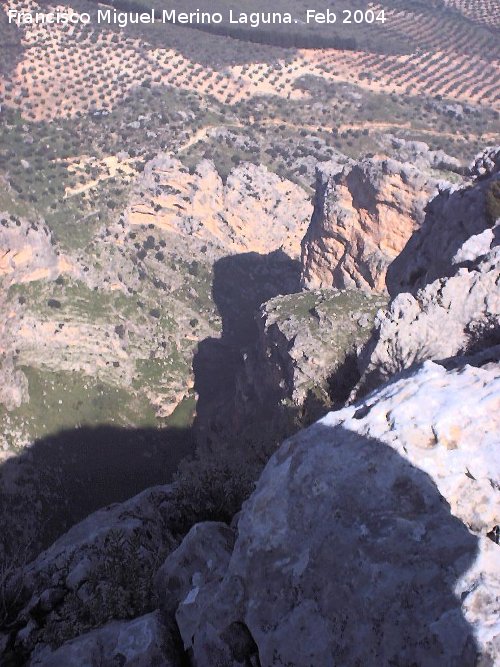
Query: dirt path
point(202, 133)
point(110, 165)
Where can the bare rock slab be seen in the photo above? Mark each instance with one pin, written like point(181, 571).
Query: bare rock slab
point(135, 643)
point(365, 542)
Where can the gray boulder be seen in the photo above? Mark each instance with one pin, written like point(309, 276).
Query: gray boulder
point(365, 542)
point(451, 316)
point(101, 569)
point(135, 643)
point(188, 579)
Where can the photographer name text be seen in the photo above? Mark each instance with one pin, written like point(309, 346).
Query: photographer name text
point(197, 18)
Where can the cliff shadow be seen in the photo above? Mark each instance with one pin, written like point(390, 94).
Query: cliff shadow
point(61, 479)
point(241, 284)
point(366, 543)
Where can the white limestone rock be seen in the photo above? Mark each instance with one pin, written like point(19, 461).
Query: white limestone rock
point(305, 352)
point(190, 575)
point(28, 252)
point(14, 385)
point(418, 154)
point(487, 162)
point(365, 542)
point(443, 243)
point(450, 316)
point(254, 210)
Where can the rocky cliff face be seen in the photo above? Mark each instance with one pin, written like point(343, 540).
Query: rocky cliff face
point(306, 348)
point(103, 333)
point(458, 223)
point(419, 155)
point(450, 316)
point(107, 332)
point(294, 360)
point(28, 252)
point(253, 210)
point(370, 538)
point(98, 335)
point(299, 357)
point(363, 216)
point(101, 569)
point(447, 278)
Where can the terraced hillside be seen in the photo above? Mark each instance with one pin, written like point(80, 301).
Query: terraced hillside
point(66, 70)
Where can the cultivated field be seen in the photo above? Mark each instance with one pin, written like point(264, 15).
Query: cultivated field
point(483, 12)
point(64, 70)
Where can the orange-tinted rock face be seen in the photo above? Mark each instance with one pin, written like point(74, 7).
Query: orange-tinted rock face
point(253, 211)
point(458, 228)
point(27, 252)
point(364, 215)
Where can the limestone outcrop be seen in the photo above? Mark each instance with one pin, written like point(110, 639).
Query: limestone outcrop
point(486, 163)
point(106, 333)
point(371, 537)
point(445, 282)
point(101, 569)
point(306, 348)
point(28, 252)
point(366, 539)
point(459, 222)
point(299, 362)
point(363, 216)
point(452, 316)
point(419, 155)
point(254, 210)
